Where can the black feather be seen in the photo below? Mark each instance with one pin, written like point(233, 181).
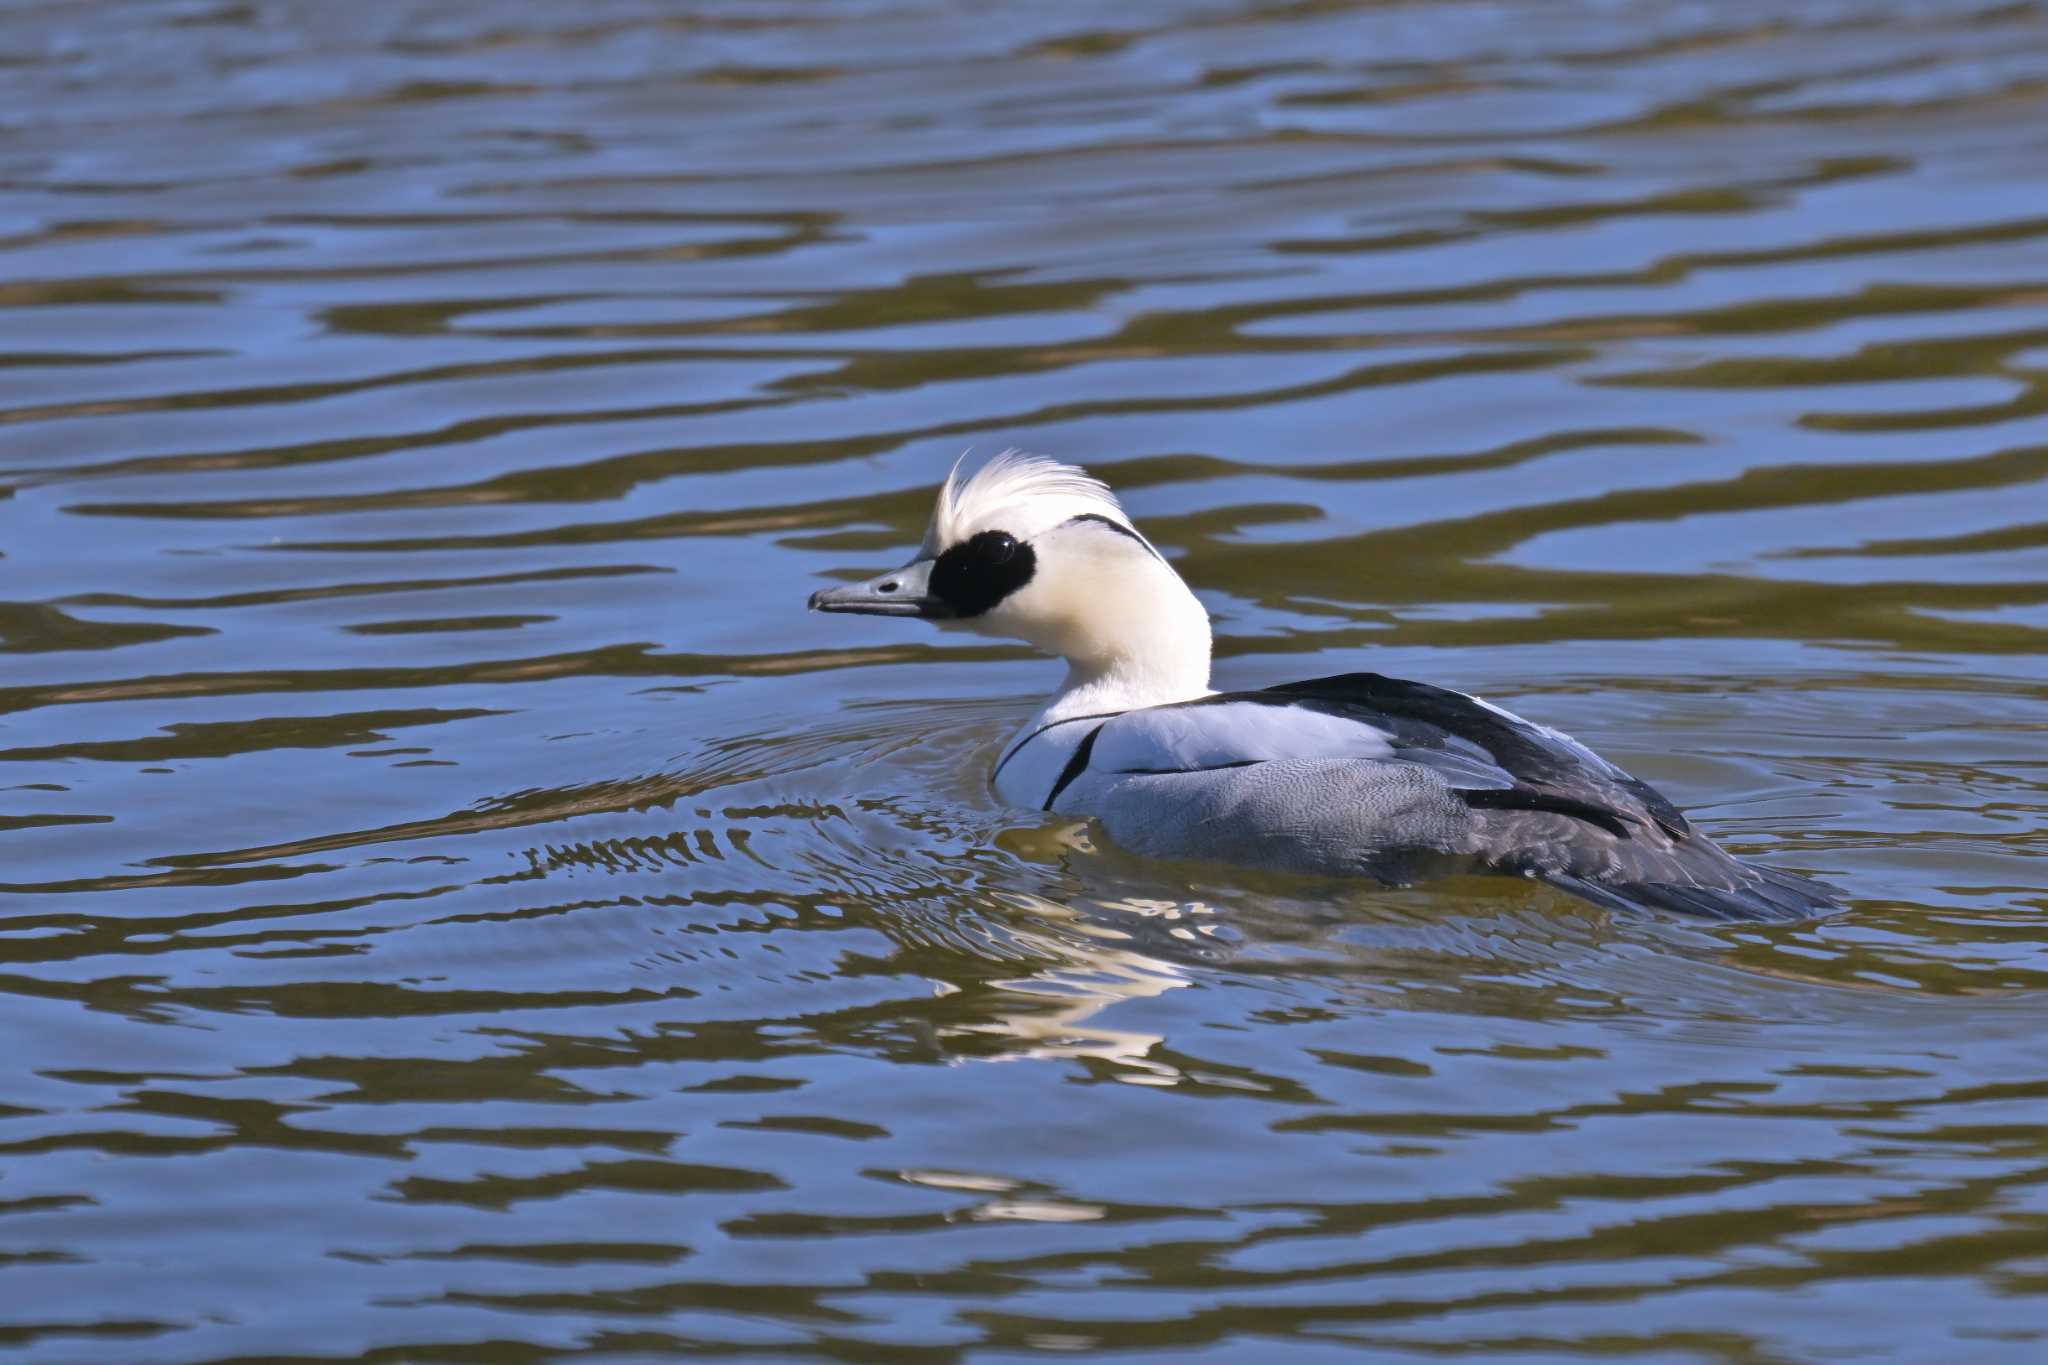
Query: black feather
point(1076, 765)
point(1766, 894)
point(1432, 713)
point(1113, 524)
point(1528, 798)
point(979, 572)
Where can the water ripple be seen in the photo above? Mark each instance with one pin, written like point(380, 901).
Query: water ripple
point(429, 806)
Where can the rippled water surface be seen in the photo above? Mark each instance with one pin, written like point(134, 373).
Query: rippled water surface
point(459, 906)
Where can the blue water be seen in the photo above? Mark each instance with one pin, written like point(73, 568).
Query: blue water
point(458, 906)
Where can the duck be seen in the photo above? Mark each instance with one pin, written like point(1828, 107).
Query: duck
point(1357, 775)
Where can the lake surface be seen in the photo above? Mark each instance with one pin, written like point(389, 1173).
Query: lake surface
point(460, 907)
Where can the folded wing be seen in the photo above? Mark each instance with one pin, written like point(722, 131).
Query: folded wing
point(1368, 773)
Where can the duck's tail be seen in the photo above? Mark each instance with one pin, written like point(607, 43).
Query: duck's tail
point(1758, 893)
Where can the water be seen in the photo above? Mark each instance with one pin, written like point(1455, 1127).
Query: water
point(459, 906)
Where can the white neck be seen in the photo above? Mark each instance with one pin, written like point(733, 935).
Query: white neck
point(1145, 647)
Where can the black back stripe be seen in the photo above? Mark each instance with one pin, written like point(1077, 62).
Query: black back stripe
point(1427, 716)
point(1525, 798)
point(1076, 765)
point(1018, 747)
point(1113, 524)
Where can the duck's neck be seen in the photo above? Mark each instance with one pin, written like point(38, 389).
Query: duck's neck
point(1146, 651)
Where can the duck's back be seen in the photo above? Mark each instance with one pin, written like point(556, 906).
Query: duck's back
point(1363, 775)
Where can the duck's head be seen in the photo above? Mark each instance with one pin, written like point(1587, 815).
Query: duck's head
point(1039, 551)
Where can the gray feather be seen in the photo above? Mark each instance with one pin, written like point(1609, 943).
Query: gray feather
point(1368, 776)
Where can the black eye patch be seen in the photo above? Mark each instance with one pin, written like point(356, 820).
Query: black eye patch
point(976, 574)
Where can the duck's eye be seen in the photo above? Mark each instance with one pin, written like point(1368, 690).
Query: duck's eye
point(973, 576)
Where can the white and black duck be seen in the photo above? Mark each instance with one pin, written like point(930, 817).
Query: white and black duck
point(1356, 775)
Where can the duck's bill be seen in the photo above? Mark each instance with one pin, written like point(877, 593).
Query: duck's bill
point(900, 592)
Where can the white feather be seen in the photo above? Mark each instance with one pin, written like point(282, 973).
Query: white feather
point(1019, 493)
point(1220, 733)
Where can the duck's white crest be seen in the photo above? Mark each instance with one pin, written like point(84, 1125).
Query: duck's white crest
point(1015, 480)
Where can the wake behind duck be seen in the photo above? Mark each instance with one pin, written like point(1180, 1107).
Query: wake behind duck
point(1354, 775)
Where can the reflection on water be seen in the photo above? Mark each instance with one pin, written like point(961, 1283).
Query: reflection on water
point(458, 906)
